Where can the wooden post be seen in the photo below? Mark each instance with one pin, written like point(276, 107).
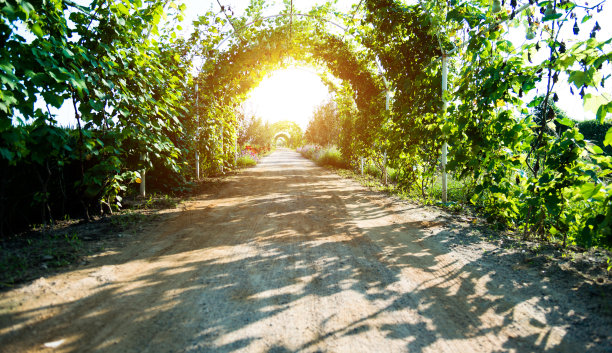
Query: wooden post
point(236, 151)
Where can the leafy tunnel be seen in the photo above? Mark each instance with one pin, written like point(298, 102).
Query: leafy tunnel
point(228, 75)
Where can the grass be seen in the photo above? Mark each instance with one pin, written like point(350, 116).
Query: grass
point(158, 201)
point(127, 219)
point(39, 251)
point(324, 156)
point(330, 156)
point(43, 251)
point(245, 161)
point(456, 190)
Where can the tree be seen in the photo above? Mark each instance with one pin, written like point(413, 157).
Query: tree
point(325, 126)
point(256, 132)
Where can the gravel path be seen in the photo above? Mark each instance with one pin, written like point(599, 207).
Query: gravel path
point(288, 257)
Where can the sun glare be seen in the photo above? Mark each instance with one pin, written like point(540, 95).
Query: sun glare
point(288, 94)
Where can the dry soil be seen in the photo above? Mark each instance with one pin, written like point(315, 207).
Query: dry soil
point(288, 257)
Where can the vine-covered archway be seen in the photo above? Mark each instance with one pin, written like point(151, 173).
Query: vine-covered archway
point(283, 136)
point(230, 74)
point(130, 84)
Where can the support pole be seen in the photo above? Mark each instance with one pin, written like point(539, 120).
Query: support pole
point(197, 157)
point(143, 172)
point(385, 167)
point(222, 151)
point(361, 166)
point(444, 107)
point(197, 135)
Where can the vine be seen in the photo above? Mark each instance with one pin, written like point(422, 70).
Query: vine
point(125, 73)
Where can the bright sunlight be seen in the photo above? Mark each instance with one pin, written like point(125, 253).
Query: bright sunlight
point(288, 94)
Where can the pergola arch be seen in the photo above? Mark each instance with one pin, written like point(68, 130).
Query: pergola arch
point(240, 67)
point(282, 134)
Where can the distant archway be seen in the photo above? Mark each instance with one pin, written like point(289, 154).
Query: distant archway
point(290, 131)
point(283, 135)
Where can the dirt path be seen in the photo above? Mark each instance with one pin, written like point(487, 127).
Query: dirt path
point(287, 257)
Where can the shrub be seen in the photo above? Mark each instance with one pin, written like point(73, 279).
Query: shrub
point(308, 151)
point(246, 160)
point(331, 156)
point(596, 133)
point(371, 170)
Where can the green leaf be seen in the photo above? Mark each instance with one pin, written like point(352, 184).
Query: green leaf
point(593, 103)
point(53, 99)
point(603, 111)
point(608, 140)
point(35, 28)
point(594, 149)
point(552, 17)
point(579, 78)
point(6, 154)
point(96, 105)
point(589, 190)
point(566, 121)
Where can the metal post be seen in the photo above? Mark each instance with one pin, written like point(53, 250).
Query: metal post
point(143, 172)
point(444, 107)
point(361, 166)
point(197, 134)
point(385, 167)
point(235, 150)
point(197, 156)
point(222, 151)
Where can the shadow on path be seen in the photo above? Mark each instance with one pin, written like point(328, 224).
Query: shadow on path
point(288, 258)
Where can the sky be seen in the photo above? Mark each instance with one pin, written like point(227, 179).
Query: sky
point(571, 104)
point(288, 94)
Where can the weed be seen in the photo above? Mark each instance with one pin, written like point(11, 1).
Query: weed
point(123, 221)
point(74, 241)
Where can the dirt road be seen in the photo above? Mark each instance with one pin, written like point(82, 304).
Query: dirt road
point(288, 257)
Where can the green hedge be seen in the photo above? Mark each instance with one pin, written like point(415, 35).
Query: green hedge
point(596, 133)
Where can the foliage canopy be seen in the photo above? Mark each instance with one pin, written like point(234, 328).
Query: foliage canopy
point(128, 76)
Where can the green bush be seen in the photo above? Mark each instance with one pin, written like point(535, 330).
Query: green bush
point(393, 174)
point(372, 170)
point(596, 133)
point(330, 156)
point(246, 161)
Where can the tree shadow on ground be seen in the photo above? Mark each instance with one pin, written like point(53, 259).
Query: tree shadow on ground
point(218, 274)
